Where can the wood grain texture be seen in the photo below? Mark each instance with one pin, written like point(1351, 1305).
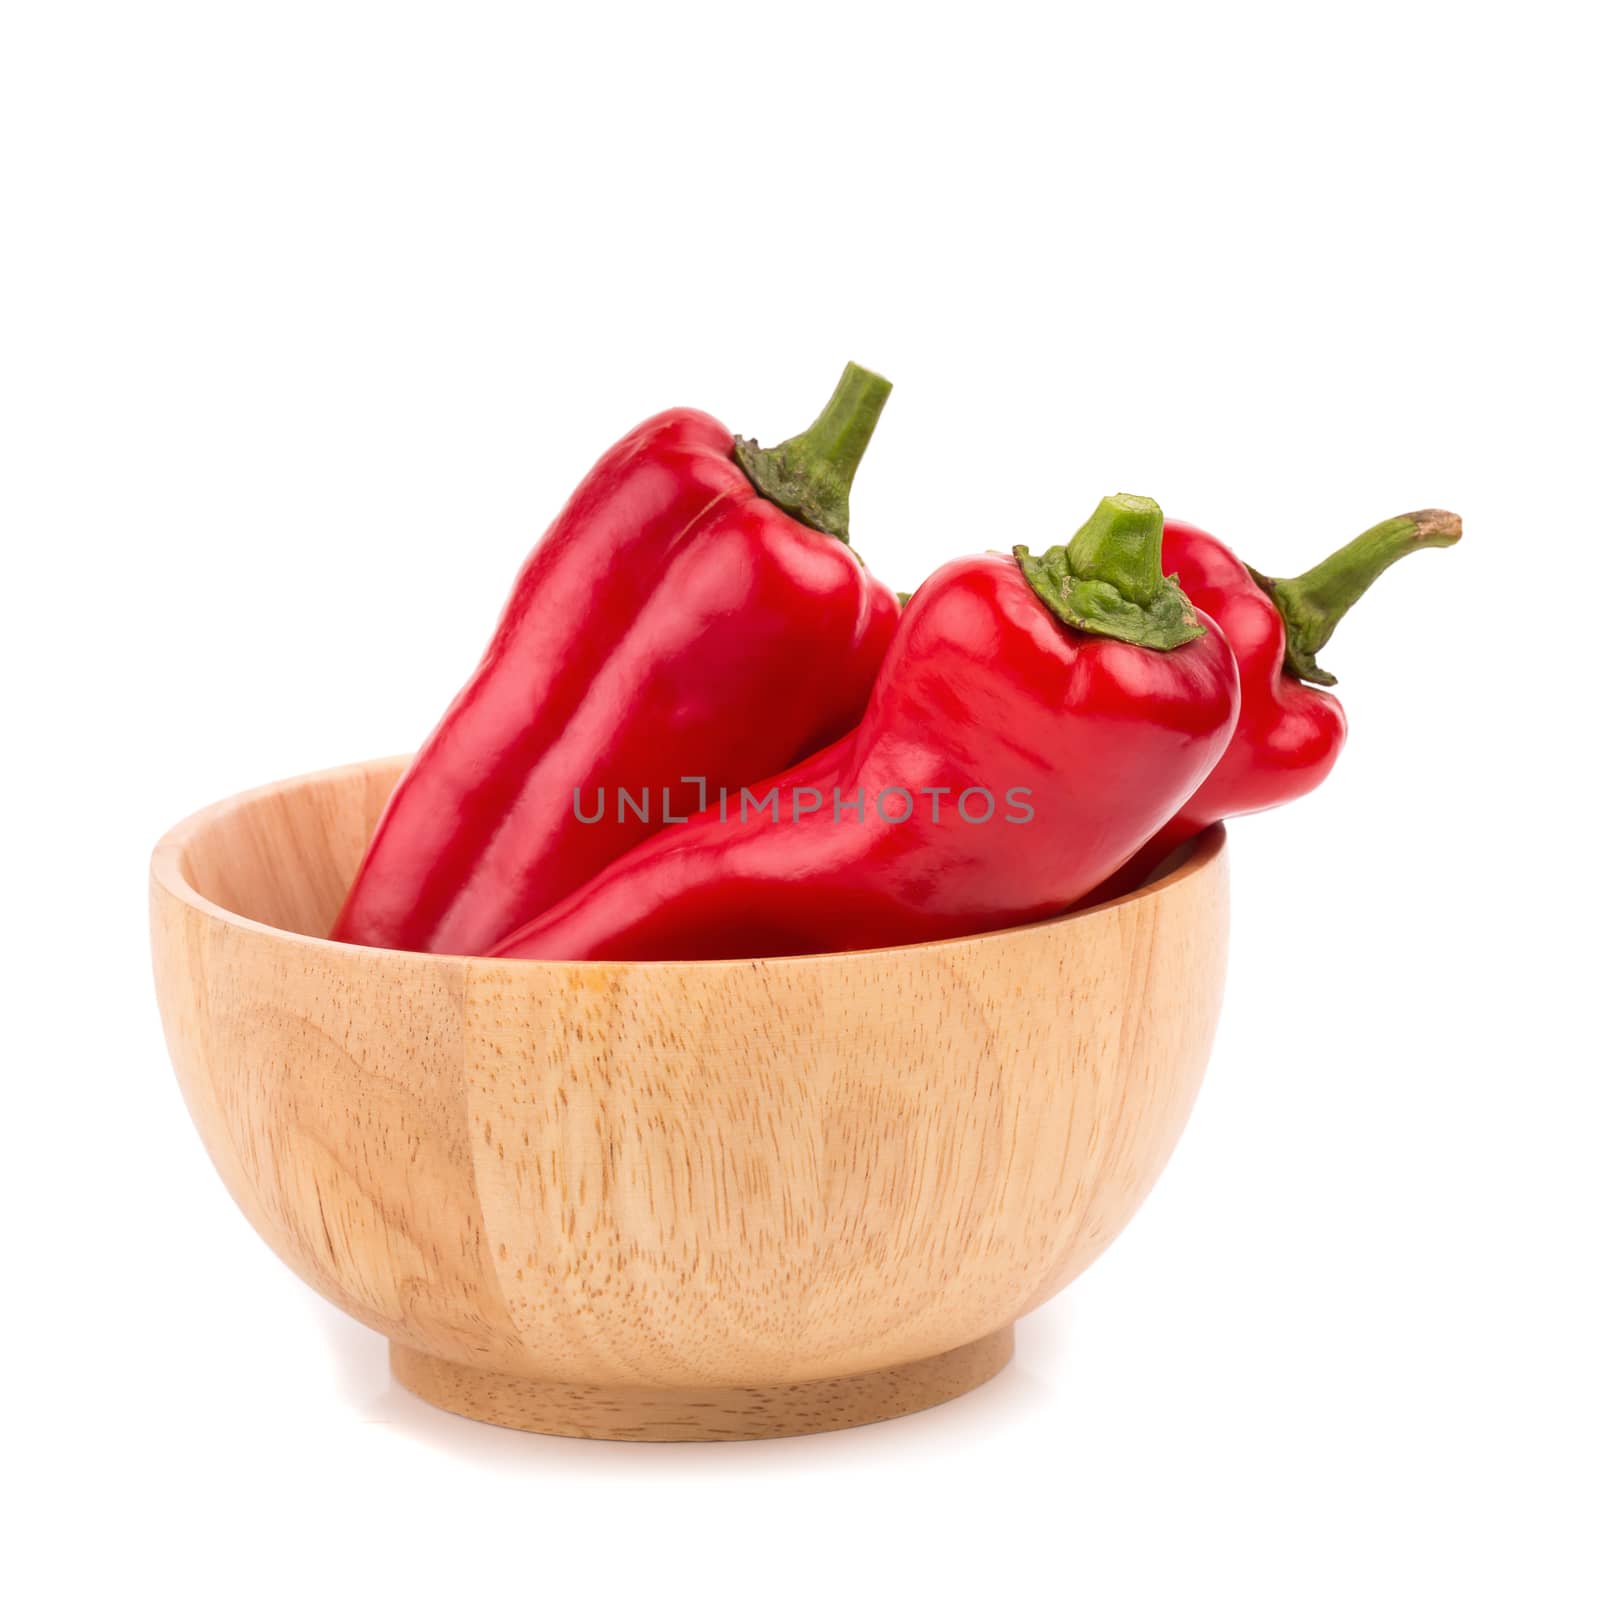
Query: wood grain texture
point(673, 1200)
point(772, 1411)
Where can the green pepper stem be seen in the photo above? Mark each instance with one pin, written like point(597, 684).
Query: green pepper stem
point(1108, 579)
point(1120, 544)
point(1314, 604)
point(810, 475)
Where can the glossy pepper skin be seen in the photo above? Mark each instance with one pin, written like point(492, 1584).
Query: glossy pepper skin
point(675, 622)
point(1289, 733)
point(1086, 741)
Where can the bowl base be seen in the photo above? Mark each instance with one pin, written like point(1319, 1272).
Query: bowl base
point(775, 1411)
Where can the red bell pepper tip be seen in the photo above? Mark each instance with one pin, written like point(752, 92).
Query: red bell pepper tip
point(810, 475)
point(1108, 579)
point(1313, 604)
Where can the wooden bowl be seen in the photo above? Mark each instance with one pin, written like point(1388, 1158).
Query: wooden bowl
point(673, 1200)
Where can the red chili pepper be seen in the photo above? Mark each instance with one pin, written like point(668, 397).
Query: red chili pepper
point(1288, 735)
point(1034, 722)
point(694, 612)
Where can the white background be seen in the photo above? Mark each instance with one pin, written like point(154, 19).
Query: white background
point(312, 316)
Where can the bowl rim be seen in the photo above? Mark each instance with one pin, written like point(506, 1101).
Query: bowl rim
point(166, 872)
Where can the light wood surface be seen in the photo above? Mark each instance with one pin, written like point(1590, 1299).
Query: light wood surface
point(770, 1411)
point(673, 1200)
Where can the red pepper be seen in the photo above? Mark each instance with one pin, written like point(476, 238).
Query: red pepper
point(693, 613)
point(1035, 720)
point(1288, 735)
